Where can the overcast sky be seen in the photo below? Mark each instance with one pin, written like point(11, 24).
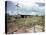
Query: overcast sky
point(26, 7)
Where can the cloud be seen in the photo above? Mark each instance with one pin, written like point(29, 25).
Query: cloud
point(12, 13)
point(40, 4)
point(33, 13)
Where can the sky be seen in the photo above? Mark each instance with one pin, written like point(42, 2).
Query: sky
point(26, 7)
